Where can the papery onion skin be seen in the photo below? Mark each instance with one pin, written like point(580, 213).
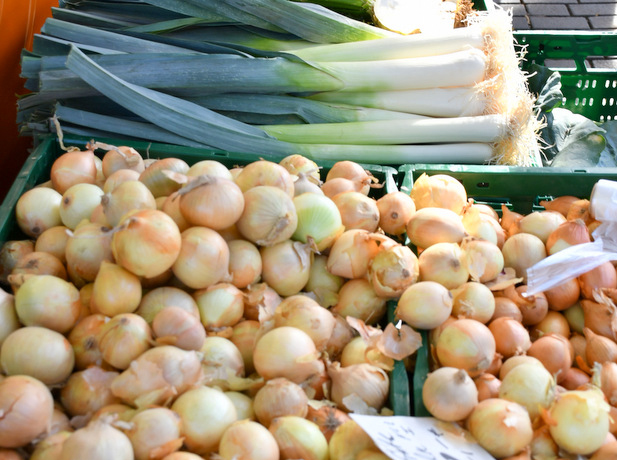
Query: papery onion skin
point(483, 259)
point(286, 266)
point(49, 448)
point(247, 439)
point(126, 197)
point(221, 361)
point(296, 164)
point(541, 223)
point(158, 183)
point(100, 440)
point(118, 177)
point(473, 300)
point(298, 437)
point(511, 337)
point(176, 326)
point(352, 171)
point(351, 253)
point(89, 245)
point(124, 338)
point(393, 270)
point(245, 265)
point(488, 386)
point(603, 276)
point(26, 405)
point(9, 321)
point(277, 398)
point(12, 251)
point(87, 391)
point(154, 433)
point(245, 334)
point(53, 241)
point(553, 351)
point(265, 173)
point(155, 300)
point(78, 202)
point(124, 158)
point(367, 381)
point(220, 305)
point(357, 210)
point(243, 404)
point(84, 340)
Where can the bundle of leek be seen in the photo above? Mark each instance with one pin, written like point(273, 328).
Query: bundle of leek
point(274, 77)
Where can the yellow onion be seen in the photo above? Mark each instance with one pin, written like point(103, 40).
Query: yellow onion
point(245, 265)
point(352, 252)
point(50, 448)
point(78, 202)
point(553, 351)
point(509, 218)
point(165, 296)
point(220, 305)
point(171, 207)
point(575, 379)
point(560, 204)
point(319, 220)
point(511, 337)
point(122, 158)
point(127, 196)
point(393, 270)
point(209, 167)
point(260, 300)
point(354, 352)
point(517, 360)
point(605, 374)
point(473, 300)
point(73, 167)
point(206, 413)
point(502, 427)
point(13, 250)
point(303, 183)
point(533, 308)
point(439, 190)
point(306, 314)
point(123, 338)
point(265, 173)
point(147, 243)
point(118, 177)
point(155, 433)
point(222, 361)
point(36, 263)
point(487, 386)
point(578, 342)
point(203, 259)
point(606, 452)
point(157, 376)
point(424, 305)
point(443, 263)
point(601, 277)
point(348, 441)
point(182, 455)
point(466, 344)
point(530, 385)
point(269, 215)
point(541, 223)
point(101, 440)
point(580, 421)
point(449, 394)
point(479, 225)
point(428, 226)
point(157, 180)
point(326, 417)
point(357, 211)
point(87, 391)
point(564, 295)
point(84, 340)
point(243, 405)
point(89, 245)
point(37, 210)
point(48, 301)
point(342, 334)
point(323, 284)
point(287, 352)
point(286, 266)
point(298, 437)
point(599, 349)
point(9, 321)
point(567, 234)
point(176, 326)
point(277, 398)
point(553, 323)
point(332, 187)
point(358, 299)
point(115, 290)
point(354, 172)
point(26, 405)
point(53, 241)
point(395, 210)
point(483, 259)
point(365, 381)
point(247, 439)
point(211, 201)
point(522, 251)
point(296, 164)
point(244, 336)
point(38, 352)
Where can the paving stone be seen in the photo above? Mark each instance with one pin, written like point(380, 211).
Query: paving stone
point(603, 22)
point(594, 9)
point(520, 23)
point(559, 23)
point(548, 10)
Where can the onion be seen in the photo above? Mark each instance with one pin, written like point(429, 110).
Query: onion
point(338, 185)
point(355, 352)
point(156, 178)
point(509, 217)
point(601, 277)
point(607, 452)
point(220, 305)
point(428, 226)
point(395, 210)
point(147, 243)
point(487, 386)
point(37, 210)
point(115, 290)
point(36, 263)
point(269, 215)
point(530, 385)
point(424, 305)
point(522, 251)
point(306, 314)
point(511, 337)
point(286, 266)
point(26, 405)
point(73, 167)
point(326, 417)
point(243, 405)
point(166, 296)
point(517, 360)
point(84, 340)
point(245, 265)
point(479, 225)
point(358, 299)
point(86, 249)
point(553, 323)
point(260, 301)
point(49, 448)
point(502, 427)
point(357, 210)
point(553, 351)
point(303, 183)
point(244, 336)
point(365, 381)
point(78, 202)
point(598, 348)
point(287, 352)
point(211, 201)
point(157, 376)
point(354, 172)
point(176, 326)
point(533, 308)
point(9, 321)
point(222, 361)
point(100, 440)
point(126, 197)
point(341, 336)
point(466, 344)
point(265, 173)
point(206, 413)
point(122, 158)
point(181, 455)
point(247, 439)
point(473, 300)
point(319, 219)
point(541, 223)
point(209, 167)
point(53, 241)
point(581, 421)
point(348, 441)
point(48, 301)
point(118, 177)
point(575, 379)
point(392, 270)
point(483, 259)
point(87, 391)
point(560, 204)
point(506, 307)
point(567, 234)
point(38, 352)
point(298, 437)
point(323, 284)
point(439, 190)
point(171, 207)
point(449, 394)
point(542, 444)
point(277, 398)
point(12, 251)
point(564, 295)
point(352, 252)
point(155, 433)
point(443, 263)
point(203, 259)
point(123, 338)
point(296, 164)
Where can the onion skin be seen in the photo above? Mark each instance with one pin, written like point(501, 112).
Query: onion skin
point(100, 440)
point(488, 386)
point(87, 391)
point(368, 382)
point(155, 433)
point(277, 398)
point(327, 418)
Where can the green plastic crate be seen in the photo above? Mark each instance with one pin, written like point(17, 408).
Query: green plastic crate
point(37, 167)
point(521, 189)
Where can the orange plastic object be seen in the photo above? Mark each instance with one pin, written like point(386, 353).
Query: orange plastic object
point(19, 21)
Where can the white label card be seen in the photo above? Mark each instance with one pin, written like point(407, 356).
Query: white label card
point(421, 438)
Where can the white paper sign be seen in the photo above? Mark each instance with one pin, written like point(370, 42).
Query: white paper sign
point(421, 438)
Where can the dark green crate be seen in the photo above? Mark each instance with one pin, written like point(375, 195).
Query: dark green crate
point(37, 167)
